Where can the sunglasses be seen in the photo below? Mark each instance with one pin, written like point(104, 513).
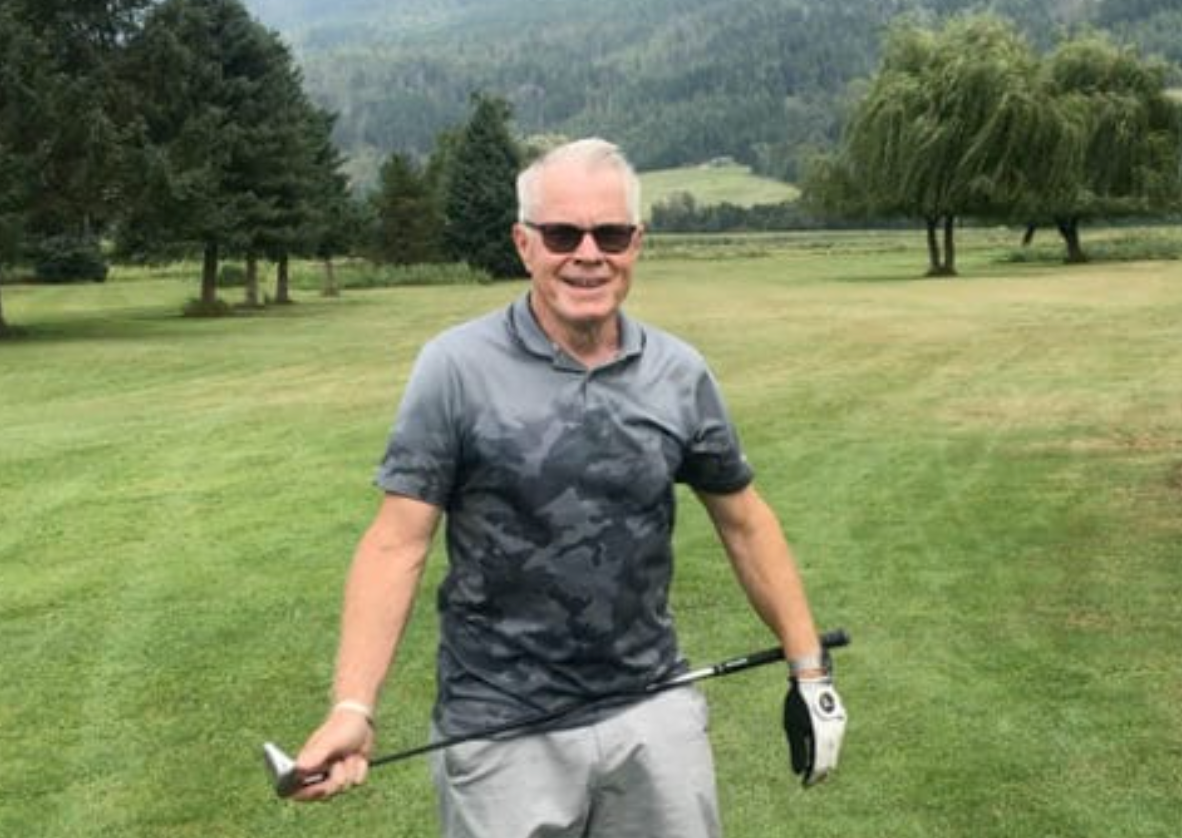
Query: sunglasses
point(566, 238)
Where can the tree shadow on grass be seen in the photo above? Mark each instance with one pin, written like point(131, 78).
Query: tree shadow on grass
point(132, 324)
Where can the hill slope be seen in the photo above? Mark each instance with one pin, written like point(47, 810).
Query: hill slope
point(675, 81)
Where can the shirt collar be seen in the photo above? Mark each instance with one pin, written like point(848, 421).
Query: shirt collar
point(524, 327)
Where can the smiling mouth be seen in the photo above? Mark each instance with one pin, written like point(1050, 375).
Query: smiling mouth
point(586, 283)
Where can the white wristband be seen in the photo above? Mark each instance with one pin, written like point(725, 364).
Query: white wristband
point(355, 707)
point(807, 663)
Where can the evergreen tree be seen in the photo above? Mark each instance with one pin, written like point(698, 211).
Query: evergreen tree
point(334, 222)
point(80, 117)
point(221, 150)
point(281, 175)
point(409, 224)
point(24, 78)
point(481, 198)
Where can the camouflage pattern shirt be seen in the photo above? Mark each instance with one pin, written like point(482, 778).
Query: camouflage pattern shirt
point(557, 485)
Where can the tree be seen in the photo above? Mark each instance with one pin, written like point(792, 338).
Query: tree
point(943, 132)
point(480, 197)
point(81, 112)
point(293, 175)
point(24, 76)
point(335, 220)
point(408, 219)
point(221, 146)
point(1123, 141)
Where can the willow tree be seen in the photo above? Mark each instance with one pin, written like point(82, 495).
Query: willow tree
point(1125, 138)
point(944, 129)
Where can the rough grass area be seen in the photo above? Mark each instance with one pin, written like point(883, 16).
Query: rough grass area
point(981, 477)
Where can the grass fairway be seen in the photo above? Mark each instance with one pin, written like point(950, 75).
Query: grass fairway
point(982, 478)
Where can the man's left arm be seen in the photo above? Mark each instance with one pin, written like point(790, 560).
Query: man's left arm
point(814, 717)
point(763, 562)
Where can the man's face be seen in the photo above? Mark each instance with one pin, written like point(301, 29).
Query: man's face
point(583, 288)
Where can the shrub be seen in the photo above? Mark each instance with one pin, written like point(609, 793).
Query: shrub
point(199, 308)
point(70, 259)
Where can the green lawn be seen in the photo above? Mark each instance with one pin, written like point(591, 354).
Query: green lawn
point(714, 184)
point(982, 478)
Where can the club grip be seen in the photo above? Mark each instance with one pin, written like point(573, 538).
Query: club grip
point(835, 639)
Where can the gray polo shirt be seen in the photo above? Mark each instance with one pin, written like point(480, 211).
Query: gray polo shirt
point(557, 484)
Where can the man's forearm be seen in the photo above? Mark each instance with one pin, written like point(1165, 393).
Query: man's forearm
point(766, 570)
point(379, 598)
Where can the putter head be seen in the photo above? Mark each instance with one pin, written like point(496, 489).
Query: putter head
point(281, 769)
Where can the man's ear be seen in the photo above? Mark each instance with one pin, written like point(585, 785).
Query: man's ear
point(521, 242)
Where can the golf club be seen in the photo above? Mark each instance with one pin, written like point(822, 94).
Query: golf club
point(287, 780)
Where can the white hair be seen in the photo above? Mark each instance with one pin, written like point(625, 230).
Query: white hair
point(590, 153)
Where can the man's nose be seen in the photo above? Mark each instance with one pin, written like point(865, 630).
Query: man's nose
point(588, 249)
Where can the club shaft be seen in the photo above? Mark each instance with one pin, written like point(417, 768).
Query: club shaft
point(829, 640)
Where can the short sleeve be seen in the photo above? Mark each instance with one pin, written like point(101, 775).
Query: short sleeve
point(713, 460)
point(423, 450)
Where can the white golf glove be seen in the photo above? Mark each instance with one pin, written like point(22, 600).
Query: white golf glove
point(814, 722)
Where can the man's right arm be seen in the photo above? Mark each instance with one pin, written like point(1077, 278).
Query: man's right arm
point(379, 598)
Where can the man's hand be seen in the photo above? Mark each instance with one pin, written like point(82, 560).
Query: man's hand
point(814, 722)
point(339, 751)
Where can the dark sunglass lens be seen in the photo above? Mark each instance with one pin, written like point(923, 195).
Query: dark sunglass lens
point(613, 238)
point(561, 238)
point(566, 238)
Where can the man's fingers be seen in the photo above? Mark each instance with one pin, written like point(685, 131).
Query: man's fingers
point(340, 776)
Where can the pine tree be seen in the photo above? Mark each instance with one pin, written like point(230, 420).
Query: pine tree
point(24, 76)
point(408, 219)
point(334, 220)
point(481, 193)
point(221, 148)
point(80, 118)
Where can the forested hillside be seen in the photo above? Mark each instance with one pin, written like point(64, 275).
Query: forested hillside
point(676, 81)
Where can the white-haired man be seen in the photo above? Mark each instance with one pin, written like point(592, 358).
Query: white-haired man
point(550, 436)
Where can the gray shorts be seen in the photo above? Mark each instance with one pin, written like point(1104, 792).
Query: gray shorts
point(646, 771)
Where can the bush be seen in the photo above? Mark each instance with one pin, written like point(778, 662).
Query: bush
point(70, 259)
point(199, 308)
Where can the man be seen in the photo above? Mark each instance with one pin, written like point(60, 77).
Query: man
point(551, 435)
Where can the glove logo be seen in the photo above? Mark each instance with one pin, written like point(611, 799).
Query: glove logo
point(827, 702)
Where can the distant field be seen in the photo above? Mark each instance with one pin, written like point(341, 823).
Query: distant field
point(730, 183)
point(981, 478)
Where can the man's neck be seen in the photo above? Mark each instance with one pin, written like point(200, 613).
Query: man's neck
point(592, 344)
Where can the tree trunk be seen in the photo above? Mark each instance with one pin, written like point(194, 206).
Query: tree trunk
point(282, 295)
point(331, 289)
point(933, 246)
point(252, 280)
point(3, 322)
point(209, 276)
point(1069, 229)
point(1029, 236)
point(941, 264)
point(949, 246)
